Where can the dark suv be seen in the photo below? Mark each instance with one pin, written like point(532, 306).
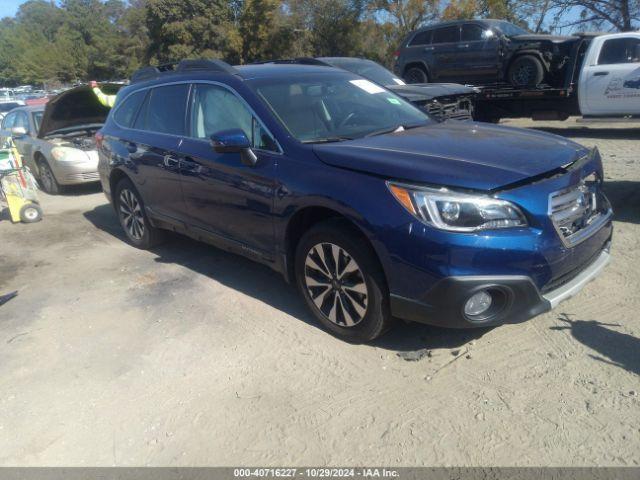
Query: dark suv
point(372, 208)
point(483, 52)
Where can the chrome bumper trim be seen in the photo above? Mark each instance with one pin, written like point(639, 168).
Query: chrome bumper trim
point(569, 289)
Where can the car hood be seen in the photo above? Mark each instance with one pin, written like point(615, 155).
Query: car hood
point(75, 107)
point(427, 91)
point(536, 37)
point(457, 154)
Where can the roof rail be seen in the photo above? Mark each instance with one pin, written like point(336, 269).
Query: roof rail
point(296, 60)
point(213, 65)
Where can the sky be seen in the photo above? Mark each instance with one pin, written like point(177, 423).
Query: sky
point(8, 8)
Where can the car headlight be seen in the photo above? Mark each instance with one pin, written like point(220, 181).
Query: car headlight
point(457, 212)
point(67, 154)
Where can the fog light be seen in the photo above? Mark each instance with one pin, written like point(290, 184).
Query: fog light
point(478, 304)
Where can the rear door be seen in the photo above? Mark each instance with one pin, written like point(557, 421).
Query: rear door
point(610, 80)
point(446, 53)
point(478, 54)
point(153, 146)
point(226, 199)
point(417, 50)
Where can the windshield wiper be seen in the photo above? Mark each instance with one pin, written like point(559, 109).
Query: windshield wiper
point(327, 140)
point(382, 131)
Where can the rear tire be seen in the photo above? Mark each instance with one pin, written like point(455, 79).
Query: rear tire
point(341, 280)
point(416, 75)
point(47, 179)
point(133, 218)
point(526, 71)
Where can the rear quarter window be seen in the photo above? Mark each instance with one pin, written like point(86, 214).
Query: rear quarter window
point(421, 38)
point(125, 115)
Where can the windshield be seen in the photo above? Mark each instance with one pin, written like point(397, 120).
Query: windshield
point(367, 69)
point(37, 119)
point(509, 29)
point(316, 108)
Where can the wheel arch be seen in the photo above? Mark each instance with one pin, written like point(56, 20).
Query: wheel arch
point(532, 53)
point(116, 175)
point(307, 217)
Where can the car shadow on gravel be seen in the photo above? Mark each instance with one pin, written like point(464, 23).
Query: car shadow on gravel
point(613, 347)
point(625, 200)
point(268, 286)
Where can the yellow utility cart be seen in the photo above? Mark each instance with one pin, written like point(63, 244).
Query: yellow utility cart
point(17, 186)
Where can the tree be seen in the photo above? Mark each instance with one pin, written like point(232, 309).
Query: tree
point(187, 28)
point(622, 15)
point(264, 32)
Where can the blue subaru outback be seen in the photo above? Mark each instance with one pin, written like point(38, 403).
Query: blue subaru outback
point(372, 208)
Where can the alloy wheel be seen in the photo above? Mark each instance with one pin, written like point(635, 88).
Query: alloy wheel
point(336, 285)
point(131, 214)
point(524, 74)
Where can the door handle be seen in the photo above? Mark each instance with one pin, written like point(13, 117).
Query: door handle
point(600, 74)
point(171, 162)
point(428, 49)
point(463, 45)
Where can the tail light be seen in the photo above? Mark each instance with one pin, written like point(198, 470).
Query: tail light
point(99, 137)
point(396, 54)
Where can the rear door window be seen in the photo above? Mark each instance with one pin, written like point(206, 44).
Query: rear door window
point(446, 34)
point(620, 50)
point(164, 110)
point(421, 38)
point(126, 113)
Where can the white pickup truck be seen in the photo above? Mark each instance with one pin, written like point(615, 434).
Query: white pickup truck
point(602, 80)
point(609, 82)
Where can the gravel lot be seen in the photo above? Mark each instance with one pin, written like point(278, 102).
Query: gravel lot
point(191, 356)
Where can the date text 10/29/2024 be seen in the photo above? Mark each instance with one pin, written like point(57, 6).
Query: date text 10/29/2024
point(315, 472)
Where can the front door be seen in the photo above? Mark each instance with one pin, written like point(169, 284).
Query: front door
point(224, 197)
point(478, 54)
point(612, 85)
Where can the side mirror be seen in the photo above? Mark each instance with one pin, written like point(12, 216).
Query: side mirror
point(17, 132)
point(234, 141)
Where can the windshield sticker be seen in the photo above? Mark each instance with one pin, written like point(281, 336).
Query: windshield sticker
point(367, 86)
point(398, 81)
point(395, 101)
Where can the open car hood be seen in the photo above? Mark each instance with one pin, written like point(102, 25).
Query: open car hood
point(455, 154)
point(75, 107)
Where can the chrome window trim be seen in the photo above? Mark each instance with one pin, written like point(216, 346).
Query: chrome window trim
point(193, 83)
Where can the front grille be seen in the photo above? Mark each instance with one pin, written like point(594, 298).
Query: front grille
point(567, 277)
point(443, 109)
point(579, 211)
point(87, 176)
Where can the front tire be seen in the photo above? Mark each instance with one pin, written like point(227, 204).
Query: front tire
point(526, 71)
point(133, 218)
point(340, 278)
point(47, 179)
